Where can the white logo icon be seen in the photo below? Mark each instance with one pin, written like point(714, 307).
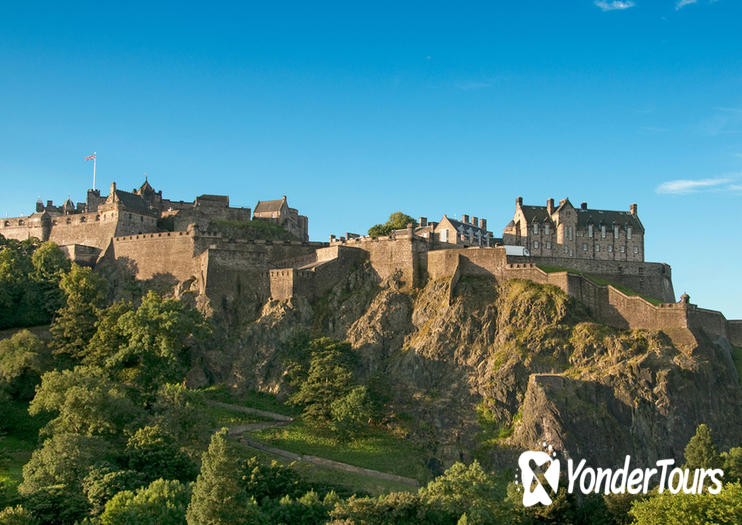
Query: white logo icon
point(538, 494)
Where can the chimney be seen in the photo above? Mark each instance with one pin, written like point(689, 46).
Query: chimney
point(49, 204)
point(113, 188)
point(475, 221)
point(465, 218)
point(633, 209)
point(39, 206)
point(550, 206)
point(483, 224)
point(519, 202)
point(583, 206)
point(284, 198)
point(423, 221)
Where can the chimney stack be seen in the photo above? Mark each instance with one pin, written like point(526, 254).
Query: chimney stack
point(519, 202)
point(633, 209)
point(465, 218)
point(483, 224)
point(423, 221)
point(475, 221)
point(113, 188)
point(550, 206)
point(583, 206)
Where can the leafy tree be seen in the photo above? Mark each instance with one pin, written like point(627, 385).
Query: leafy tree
point(396, 221)
point(57, 505)
point(307, 510)
point(329, 378)
point(103, 482)
point(49, 262)
point(64, 460)
point(350, 414)
point(718, 509)
point(86, 402)
point(17, 516)
point(732, 466)
point(109, 336)
point(160, 335)
point(396, 508)
point(23, 358)
point(163, 502)
point(182, 414)
point(261, 481)
point(155, 454)
point(74, 325)
point(700, 451)
point(218, 497)
point(467, 489)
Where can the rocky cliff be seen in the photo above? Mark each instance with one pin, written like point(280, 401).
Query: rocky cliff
point(487, 369)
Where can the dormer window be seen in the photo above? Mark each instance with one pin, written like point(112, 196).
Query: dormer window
point(535, 228)
point(546, 229)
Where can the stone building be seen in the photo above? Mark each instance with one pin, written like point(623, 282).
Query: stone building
point(278, 211)
point(582, 233)
point(466, 232)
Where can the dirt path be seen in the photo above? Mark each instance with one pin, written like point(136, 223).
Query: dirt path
point(280, 420)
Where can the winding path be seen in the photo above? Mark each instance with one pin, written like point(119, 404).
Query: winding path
point(280, 420)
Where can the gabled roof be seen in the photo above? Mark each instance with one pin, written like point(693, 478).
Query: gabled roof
point(536, 214)
point(146, 188)
point(608, 218)
point(459, 225)
point(131, 201)
point(269, 206)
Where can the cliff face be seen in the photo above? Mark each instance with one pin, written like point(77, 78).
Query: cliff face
point(491, 369)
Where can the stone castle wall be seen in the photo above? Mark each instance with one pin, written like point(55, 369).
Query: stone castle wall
point(22, 229)
point(152, 254)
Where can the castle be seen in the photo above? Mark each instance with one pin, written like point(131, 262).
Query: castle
point(596, 256)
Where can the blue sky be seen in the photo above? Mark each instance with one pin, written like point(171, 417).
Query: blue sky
point(355, 110)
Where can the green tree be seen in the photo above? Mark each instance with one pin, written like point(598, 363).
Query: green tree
point(396, 508)
point(103, 482)
point(49, 262)
point(17, 516)
point(155, 454)
point(351, 413)
point(109, 336)
point(23, 358)
point(732, 464)
point(163, 502)
point(218, 497)
point(329, 378)
point(396, 221)
point(160, 335)
point(74, 325)
point(273, 481)
point(724, 508)
point(700, 451)
point(86, 402)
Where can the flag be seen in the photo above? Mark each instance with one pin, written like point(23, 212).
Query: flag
point(90, 157)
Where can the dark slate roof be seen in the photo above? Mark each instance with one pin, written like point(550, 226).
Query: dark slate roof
point(608, 218)
point(131, 201)
point(536, 214)
point(268, 206)
point(458, 224)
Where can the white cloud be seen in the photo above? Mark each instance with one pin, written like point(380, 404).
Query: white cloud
point(682, 186)
point(735, 187)
point(682, 3)
point(616, 5)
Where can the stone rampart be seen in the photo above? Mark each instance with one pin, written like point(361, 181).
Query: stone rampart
point(735, 332)
point(151, 254)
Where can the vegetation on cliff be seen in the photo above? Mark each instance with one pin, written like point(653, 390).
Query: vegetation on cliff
point(396, 221)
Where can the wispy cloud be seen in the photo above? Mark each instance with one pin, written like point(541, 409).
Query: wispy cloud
point(683, 186)
point(616, 5)
point(682, 3)
point(724, 121)
point(735, 187)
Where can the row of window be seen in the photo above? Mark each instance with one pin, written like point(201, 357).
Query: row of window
point(547, 245)
point(569, 231)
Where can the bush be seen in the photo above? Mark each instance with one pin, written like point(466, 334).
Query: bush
point(163, 502)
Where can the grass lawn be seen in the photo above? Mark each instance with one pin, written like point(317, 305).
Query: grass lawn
point(225, 417)
point(376, 449)
point(349, 482)
point(598, 280)
point(259, 400)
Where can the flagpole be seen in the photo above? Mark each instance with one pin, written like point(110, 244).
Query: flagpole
point(95, 157)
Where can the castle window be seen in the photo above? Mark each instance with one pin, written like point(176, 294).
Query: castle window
point(597, 248)
point(548, 245)
point(584, 246)
point(610, 248)
point(6, 223)
point(623, 249)
point(636, 250)
point(141, 218)
point(82, 218)
point(590, 230)
point(602, 232)
point(615, 232)
point(546, 229)
point(570, 232)
point(535, 245)
point(20, 222)
point(535, 228)
point(566, 249)
point(628, 232)
point(444, 235)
